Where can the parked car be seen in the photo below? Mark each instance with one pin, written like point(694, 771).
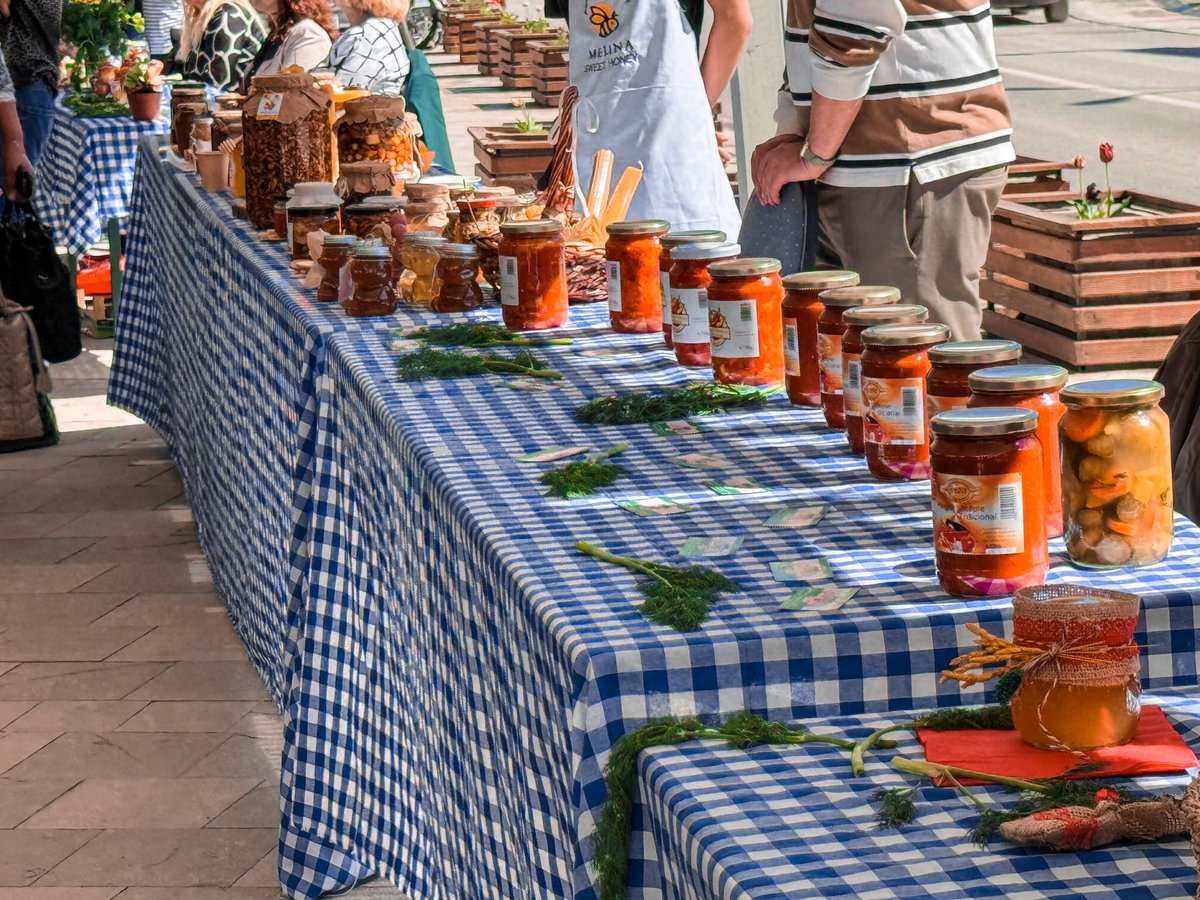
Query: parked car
point(1056, 10)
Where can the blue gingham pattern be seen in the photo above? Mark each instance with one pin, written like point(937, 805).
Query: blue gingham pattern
point(453, 673)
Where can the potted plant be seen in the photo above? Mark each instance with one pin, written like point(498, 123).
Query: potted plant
point(143, 89)
point(97, 29)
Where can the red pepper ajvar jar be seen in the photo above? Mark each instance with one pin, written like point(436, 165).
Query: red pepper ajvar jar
point(1036, 388)
point(689, 299)
point(801, 309)
point(669, 242)
point(458, 279)
point(745, 327)
point(895, 362)
point(373, 293)
point(830, 329)
point(857, 320)
point(946, 387)
point(533, 275)
point(989, 526)
point(634, 287)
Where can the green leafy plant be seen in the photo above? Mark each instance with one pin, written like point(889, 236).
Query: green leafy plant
point(482, 334)
point(144, 75)
point(428, 363)
point(1092, 204)
point(560, 37)
point(97, 30)
point(526, 124)
point(647, 407)
point(584, 477)
point(537, 26)
point(508, 18)
point(89, 106)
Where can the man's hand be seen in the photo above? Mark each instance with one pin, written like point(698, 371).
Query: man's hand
point(764, 150)
point(722, 144)
point(781, 166)
point(15, 161)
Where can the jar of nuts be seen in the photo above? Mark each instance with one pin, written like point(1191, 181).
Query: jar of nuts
point(376, 128)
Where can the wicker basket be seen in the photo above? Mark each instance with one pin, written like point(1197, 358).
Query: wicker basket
point(587, 282)
point(1191, 811)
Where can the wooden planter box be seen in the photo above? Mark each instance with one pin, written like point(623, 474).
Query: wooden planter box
point(499, 156)
point(1028, 177)
point(489, 52)
point(458, 35)
point(1093, 292)
point(549, 71)
point(516, 59)
point(476, 52)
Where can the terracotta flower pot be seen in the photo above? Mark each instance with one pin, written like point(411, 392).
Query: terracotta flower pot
point(144, 105)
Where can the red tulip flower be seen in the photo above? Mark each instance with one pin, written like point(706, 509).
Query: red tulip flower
point(1106, 153)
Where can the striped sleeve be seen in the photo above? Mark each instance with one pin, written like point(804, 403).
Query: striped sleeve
point(846, 41)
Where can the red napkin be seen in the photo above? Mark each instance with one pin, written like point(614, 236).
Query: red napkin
point(1156, 749)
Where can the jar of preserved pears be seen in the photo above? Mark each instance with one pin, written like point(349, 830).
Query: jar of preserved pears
point(946, 387)
point(895, 361)
point(669, 241)
point(1036, 388)
point(371, 277)
point(634, 287)
point(745, 328)
point(533, 275)
point(418, 284)
point(1116, 473)
point(801, 309)
point(335, 253)
point(856, 320)
point(458, 279)
point(989, 532)
point(1078, 704)
point(689, 298)
point(830, 329)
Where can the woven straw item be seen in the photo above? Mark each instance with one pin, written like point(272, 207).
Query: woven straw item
point(587, 281)
point(1191, 812)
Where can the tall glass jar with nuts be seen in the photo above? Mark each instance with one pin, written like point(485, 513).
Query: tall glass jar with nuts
point(377, 128)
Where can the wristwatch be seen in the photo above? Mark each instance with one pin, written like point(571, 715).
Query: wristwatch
point(817, 162)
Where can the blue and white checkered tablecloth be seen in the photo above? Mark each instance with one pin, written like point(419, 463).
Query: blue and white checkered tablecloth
point(453, 673)
point(715, 823)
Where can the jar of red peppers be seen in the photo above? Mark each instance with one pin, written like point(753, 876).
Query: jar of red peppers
point(669, 242)
point(801, 309)
point(1036, 388)
point(458, 279)
point(989, 531)
point(689, 299)
point(946, 387)
point(745, 327)
point(533, 275)
point(634, 288)
point(370, 271)
point(856, 321)
point(895, 362)
point(335, 253)
point(830, 329)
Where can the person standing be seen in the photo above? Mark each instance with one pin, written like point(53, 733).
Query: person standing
point(301, 34)
point(29, 34)
point(161, 17)
point(370, 54)
point(219, 41)
point(15, 158)
point(901, 114)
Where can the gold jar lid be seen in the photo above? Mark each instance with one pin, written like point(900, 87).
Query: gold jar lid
point(973, 353)
point(532, 226)
point(1118, 392)
point(1006, 379)
point(820, 279)
point(890, 314)
point(706, 250)
point(459, 251)
point(860, 295)
point(988, 421)
point(653, 227)
point(341, 240)
point(742, 268)
point(679, 238)
point(905, 335)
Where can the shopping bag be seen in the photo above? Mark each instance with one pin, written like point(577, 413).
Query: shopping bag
point(425, 99)
point(787, 231)
point(32, 275)
point(26, 417)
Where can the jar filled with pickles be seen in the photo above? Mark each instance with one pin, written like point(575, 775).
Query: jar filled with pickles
point(634, 286)
point(668, 242)
point(801, 309)
point(830, 329)
point(745, 328)
point(856, 320)
point(458, 279)
point(419, 253)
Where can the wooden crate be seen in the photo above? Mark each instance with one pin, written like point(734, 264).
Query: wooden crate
point(459, 31)
point(516, 58)
point(489, 54)
point(1092, 293)
point(1028, 177)
point(476, 38)
point(500, 155)
point(549, 72)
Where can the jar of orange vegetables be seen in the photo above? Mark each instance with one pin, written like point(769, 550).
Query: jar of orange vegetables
point(744, 323)
point(830, 329)
point(533, 275)
point(669, 241)
point(634, 287)
point(689, 299)
point(801, 309)
point(856, 321)
point(946, 387)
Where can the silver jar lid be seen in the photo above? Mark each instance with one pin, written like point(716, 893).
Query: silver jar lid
point(459, 251)
point(967, 353)
point(1117, 393)
point(889, 314)
point(1007, 379)
point(820, 279)
point(859, 295)
point(744, 268)
point(679, 238)
point(987, 421)
point(707, 250)
point(905, 335)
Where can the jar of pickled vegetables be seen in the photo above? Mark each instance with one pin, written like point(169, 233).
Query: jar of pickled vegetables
point(670, 241)
point(1036, 388)
point(371, 276)
point(989, 531)
point(335, 253)
point(895, 361)
point(856, 320)
point(1116, 473)
point(745, 328)
point(801, 309)
point(830, 329)
point(418, 283)
point(1077, 704)
point(301, 221)
point(533, 275)
point(946, 387)
point(634, 286)
point(689, 298)
point(458, 279)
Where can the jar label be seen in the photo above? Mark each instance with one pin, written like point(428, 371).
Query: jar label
point(791, 347)
point(613, 268)
point(935, 405)
point(894, 411)
point(664, 285)
point(269, 106)
point(509, 294)
point(689, 315)
point(978, 515)
point(829, 355)
point(852, 386)
point(733, 328)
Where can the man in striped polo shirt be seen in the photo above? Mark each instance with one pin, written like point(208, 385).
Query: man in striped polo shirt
point(897, 107)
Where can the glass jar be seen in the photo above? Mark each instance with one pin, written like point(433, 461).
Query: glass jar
point(669, 241)
point(371, 277)
point(193, 95)
point(634, 288)
point(361, 218)
point(1036, 388)
point(946, 387)
point(1078, 705)
point(745, 327)
point(477, 217)
point(895, 361)
point(458, 279)
point(377, 128)
point(801, 309)
point(533, 275)
point(335, 253)
point(227, 123)
point(856, 320)
point(1116, 473)
point(419, 253)
point(279, 218)
point(989, 528)
point(302, 220)
point(688, 311)
point(830, 329)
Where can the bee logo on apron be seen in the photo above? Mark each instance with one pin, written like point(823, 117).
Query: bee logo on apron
point(603, 18)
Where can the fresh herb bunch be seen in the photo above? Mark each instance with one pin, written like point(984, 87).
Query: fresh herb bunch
point(482, 334)
point(638, 407)
point(584, 477)
point(89, 106)
point(428, 363)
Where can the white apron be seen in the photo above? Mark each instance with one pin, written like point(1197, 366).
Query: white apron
point(640, 95)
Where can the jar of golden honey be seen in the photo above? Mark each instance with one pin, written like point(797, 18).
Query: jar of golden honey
point(335, 253)
point(669, 241)
point(1116, 473)
point(1036, 388)
point(856, 320)
point(952, 363)
point(895, 361)
point(801, 309)
point(989, 532)
point(418, 283)
point(745, 327)
point(689, 299)
point(533, 275)
point(458, 279)
point(371, 276)
point(830, 329)
point(634, 286)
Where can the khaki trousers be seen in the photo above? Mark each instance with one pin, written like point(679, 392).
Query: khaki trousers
point(928, 240)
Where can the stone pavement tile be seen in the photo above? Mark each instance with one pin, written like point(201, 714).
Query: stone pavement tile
point(11, 710)
point(231, 893)
point(42, 550)
point(201, 681)
point(51, 495)
point(157, 610)
point(41, 893)
point(75, 680)
point(87, 643)
point(206, 640)
point(35, 524)
point(170, 858)
point(80, 755)
point(5, 667)
point(107, 803)
point(128, 522)
point(142, 548)
point(16, 747)
point(56, 610)
point(25, 856)
point(21, 798)
point(165, 477)
point(257, 809)
point(12, 480)
point(187, 715)
point(264, 723)
point(265, 873)
point(170, 574)
point(57, 579)
point(240, 756)
point(104, 471)
point(77, 715)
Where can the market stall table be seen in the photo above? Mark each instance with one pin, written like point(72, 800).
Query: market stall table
point(452, 672)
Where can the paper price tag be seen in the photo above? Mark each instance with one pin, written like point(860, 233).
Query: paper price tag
point(739, 484)
point(801, 570)
point(825, 599)
point(796, 516)
point(653, 506)
point(702, 461)
point(715, 546)
point(677, 427)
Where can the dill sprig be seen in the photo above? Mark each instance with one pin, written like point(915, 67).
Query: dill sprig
point(481, 334)
point(427, 363)
point(959, 718)
point(584, 477)
point(896, 806)
point(648, 407)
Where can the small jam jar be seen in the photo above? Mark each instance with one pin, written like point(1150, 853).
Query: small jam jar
point(830, 329)
point(1036, 388)
point(458, 279)
point(801, 309)
point(371, 277)
point(533, 275)
point(989, 527)
point(856, 320)
point(1116, 473)
point(634, 287)
point(279, 218)
point(419, 253)
point(670, 241)
point(745, 328)
point(362, 217)
point(689, 299)
point(335, 253)
point(946, 387)
point(895, 361)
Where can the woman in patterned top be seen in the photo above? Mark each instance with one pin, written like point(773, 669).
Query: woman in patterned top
point(370, 53)
point(301, 35)
point(220, 38)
